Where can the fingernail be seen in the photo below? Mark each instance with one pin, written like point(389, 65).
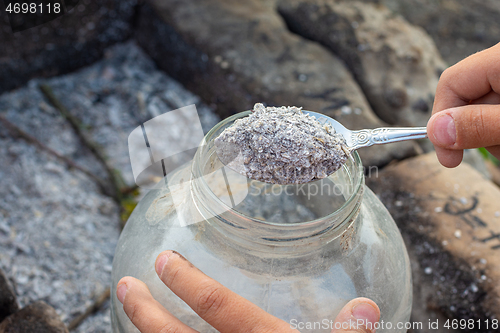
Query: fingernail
point(161, 261)
point(444, 130)
point(366, 315)
point(121, 291)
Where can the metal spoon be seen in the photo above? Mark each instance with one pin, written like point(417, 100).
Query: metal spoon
point(369, 137)
point(231, 156)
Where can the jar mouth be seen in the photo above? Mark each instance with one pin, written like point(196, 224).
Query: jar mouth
point(351, 172)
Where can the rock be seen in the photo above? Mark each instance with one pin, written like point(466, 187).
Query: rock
point(396, 64)
point(460, 27)
point(234, 54)
point(450, 220)
point(494, 171)
point(120, 93)
point(73, 40)
point(38, 317)
point(57, 231)
point(99, 322)
point(474, 158)
point(57, 246)
point(8, 301)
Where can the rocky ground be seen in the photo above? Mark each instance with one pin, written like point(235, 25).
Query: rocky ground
point(366, 63)
point(64, 44)
point(57, 230)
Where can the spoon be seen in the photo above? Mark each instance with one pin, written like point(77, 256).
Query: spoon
point(231, 156)
point(369, 137)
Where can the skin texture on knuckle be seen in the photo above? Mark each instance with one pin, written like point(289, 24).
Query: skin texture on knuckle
point(446, 77)
point(473, 132)
point(480, 125)
point(210, 301)
point(441, 90)
point(493, 74)
point(445, 95)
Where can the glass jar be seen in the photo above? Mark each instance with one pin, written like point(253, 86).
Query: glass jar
point(300, 252)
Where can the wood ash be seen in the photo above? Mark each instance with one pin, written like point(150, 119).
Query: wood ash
point(281, 145)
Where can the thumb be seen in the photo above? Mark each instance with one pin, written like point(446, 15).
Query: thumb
point(358, 316)
point(465, 127)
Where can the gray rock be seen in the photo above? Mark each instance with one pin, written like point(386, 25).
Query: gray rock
point(57, 231)
point(38, 317)
point(236, 54)
point(114, 96)
point(100, 322)
point(57, 246)
point(460, 27)
point(73, 40)
point(396, 64)
point(8, 301)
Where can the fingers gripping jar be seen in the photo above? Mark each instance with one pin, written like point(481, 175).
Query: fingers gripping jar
point(300, 252)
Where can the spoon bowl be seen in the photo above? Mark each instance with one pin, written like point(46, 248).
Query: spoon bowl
point(231, 155)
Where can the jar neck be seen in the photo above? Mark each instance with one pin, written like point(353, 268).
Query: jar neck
point(256, 214)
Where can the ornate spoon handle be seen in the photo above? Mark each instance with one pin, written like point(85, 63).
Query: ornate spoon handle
point(378, 136)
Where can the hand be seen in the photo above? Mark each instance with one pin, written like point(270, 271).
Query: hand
point(466, 111)
point(217, 305)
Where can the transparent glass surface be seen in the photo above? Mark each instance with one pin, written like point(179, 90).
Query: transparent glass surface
point(300, 252)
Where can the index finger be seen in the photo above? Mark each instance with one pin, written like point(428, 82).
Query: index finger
point(216, 304)
point(468, 80)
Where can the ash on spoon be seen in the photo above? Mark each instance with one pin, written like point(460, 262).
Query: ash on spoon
point(281, 145)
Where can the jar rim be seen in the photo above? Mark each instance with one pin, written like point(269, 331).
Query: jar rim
point(357, 176)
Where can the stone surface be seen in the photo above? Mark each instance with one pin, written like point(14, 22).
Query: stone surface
point(474, 158)
point(57, 231)
point(234, 54)
point(100, 322)
point(38, 317)
point(459, 27)
point(114, 96)
point(494, 171)
point(73, 40)
point(8, 300)
point(396, 64)
point(450, 220)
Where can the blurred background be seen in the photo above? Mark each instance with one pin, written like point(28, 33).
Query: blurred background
point(72, 89)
